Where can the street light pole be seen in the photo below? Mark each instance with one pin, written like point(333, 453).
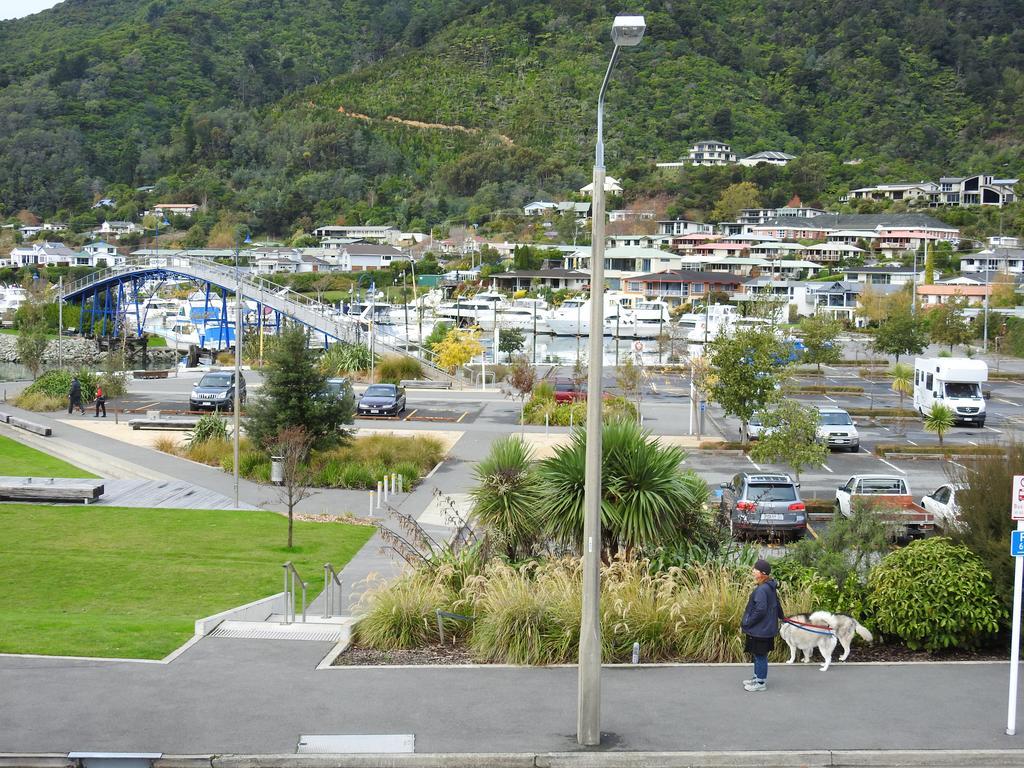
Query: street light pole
point(626, 31)
point(237, 404)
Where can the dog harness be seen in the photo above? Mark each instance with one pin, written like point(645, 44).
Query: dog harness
point(814, 629)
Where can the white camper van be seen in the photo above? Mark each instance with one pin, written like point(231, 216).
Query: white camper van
point(954, 381)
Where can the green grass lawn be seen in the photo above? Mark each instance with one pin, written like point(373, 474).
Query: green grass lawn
point(115, 582)
point(156, 341)
point(21, 461)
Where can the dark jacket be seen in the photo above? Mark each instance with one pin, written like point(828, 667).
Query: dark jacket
point(76, 390)
point(761, 619)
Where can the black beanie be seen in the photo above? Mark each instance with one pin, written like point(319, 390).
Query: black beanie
point(764, 567)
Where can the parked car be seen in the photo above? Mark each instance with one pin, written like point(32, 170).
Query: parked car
point(762, 503)
point(942, 503)
point(339, 388)
point(566, 391)
point(837, 430)
point(216, 391)
point(381, 400)
point(889, 497)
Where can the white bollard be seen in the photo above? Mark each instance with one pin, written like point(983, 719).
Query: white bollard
point(401, 483)
point(384, 485)
point(371, 503)
point(547, 420)
point(380, 492)
point(394, 482)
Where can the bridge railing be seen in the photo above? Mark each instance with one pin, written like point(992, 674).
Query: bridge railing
point(325, 317)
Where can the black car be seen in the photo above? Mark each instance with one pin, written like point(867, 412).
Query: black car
point(339, 388)
point(381, 400)
point(216, 391)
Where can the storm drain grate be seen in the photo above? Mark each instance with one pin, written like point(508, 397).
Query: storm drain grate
point(357, 744)
point(251, 630)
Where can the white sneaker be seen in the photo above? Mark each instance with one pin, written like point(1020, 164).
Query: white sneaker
point(757, 685)
point(751, 681)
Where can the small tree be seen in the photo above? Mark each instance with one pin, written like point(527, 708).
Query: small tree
point(948, 324)
point(902, 333)
point(457, 348)
point(505, 497)
point(746, 366)
point(940, 420)
point(820, 334)
point(294, 395)
point(790, 435)
point(522, 377)
point(292, 446)
point(579, 373)
point(902, 383)
point(629, 378)
point(31, 342)
point(510, 341)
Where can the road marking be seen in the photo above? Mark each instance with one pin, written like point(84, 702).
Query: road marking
point(911, 442)
point(436, 467)
point(464, 414)
point(972, 443)
point(886, 429)
point(752, 462)
point(811, 531)
point(892, 465)
point(831, 400)
point(826, 466)
point(1008, 402)
point(410, 415)
point(998, 432)
point(955, 464)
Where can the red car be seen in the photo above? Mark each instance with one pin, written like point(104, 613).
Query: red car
point(566, 391)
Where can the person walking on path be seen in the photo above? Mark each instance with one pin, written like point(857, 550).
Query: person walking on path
point(75, 397)
point(101, 402)
point(760, 624)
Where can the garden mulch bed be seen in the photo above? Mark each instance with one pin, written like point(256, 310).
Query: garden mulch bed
point(460, 654)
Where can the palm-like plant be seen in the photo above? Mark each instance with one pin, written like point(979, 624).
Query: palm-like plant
point(939, 420)
point(505, 497)
point(647, 499)
point(902, 384)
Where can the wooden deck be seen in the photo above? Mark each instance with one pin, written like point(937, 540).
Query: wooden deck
point(166, 494)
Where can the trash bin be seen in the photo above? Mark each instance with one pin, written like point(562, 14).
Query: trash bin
point(277, 470)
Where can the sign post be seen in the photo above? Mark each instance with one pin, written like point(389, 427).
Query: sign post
point(1017, 550)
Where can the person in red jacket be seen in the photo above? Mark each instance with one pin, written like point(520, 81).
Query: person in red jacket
point(101, 403)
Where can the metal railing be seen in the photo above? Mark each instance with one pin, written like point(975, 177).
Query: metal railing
point(331, 579)
point(320, 317)
point(290, 575)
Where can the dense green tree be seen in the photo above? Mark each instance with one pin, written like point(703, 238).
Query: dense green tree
point(746, 369)
point(293, 395)
point(901, 333)
point(947, 324)
point(790, 435)
point(820, 335)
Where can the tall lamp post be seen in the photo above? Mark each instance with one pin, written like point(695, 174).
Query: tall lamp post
point(626, 31)
point(237, 404)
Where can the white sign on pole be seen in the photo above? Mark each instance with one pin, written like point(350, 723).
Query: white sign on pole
point(1017, 500)
point(1017, 512)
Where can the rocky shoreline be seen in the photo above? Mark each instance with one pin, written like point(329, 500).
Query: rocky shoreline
point(77, 351)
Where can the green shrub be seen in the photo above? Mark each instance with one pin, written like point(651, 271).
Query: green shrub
point(208, 427)
point(213, 452)
point(57, 383)
point(344, 358)
point(934, 594)
point(329, 474)
point(356, 475)
point(410, 473)
point(393, 368)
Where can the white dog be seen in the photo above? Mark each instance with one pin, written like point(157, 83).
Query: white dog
point(821, 630)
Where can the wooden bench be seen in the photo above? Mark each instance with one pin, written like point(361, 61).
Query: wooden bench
point(64, 489)
point(150, 374)
point(29, 426)
point(425, 384)
point(165, 422)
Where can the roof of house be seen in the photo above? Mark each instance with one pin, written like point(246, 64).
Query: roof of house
point(541, 273)
point(691, 276)
point(371, 249)
point(953, 290)
point(771, 154)
point(893, 270)
point(858, 221)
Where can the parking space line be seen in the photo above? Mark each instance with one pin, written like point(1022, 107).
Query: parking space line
point(464, 414)
point(827, 467)
point(955, 464)
point(902, 471)
point(972, 443)
point(752, 462)
point(997, 431)
point(1008, 402)
point(830, 399)
point(811, 531)
point(410, 415)
point(911, 442)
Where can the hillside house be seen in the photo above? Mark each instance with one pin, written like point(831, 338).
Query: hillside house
point(711, 153)
point(679, 286)
point(768, 157)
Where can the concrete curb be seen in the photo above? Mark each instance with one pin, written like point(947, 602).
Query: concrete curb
point(577, 759)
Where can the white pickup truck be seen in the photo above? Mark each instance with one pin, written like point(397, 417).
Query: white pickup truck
point(889, 496)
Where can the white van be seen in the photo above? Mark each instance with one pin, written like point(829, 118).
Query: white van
point(953, 381)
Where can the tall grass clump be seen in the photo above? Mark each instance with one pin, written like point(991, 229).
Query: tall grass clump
point(713, 603)
point(640, 606)
point(401, 614)
point(343, 359)
point(40, 402)
point(393, 368)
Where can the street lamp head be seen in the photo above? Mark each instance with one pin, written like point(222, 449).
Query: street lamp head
point(628, 30)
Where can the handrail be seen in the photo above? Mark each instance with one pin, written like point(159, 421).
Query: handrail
point(330, 579)
point(325, 317)
point(289, 593)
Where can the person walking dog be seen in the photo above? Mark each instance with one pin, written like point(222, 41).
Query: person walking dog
point(101, 402)
point(760, 624)
point(75, 397)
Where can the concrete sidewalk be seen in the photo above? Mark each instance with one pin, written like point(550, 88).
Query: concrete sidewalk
point(252, 696)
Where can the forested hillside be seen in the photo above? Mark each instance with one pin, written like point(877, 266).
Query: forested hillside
point(284, 109)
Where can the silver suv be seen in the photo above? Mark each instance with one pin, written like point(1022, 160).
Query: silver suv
point(837, 430)
point(762, 503)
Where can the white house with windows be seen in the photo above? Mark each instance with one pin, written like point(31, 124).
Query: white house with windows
point(101, 254)
point(711, 153)
point(362, 257)
point(611, 187)
point(118, 228)
point(980, 189)
point(538, 208)
point(684, 227)
point(43, 254)
point(786, 293)
point(903, 191)
point(177, 209)
point(380, 234)
point(1007, 260)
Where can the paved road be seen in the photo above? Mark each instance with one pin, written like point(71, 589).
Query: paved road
point(259, 696)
